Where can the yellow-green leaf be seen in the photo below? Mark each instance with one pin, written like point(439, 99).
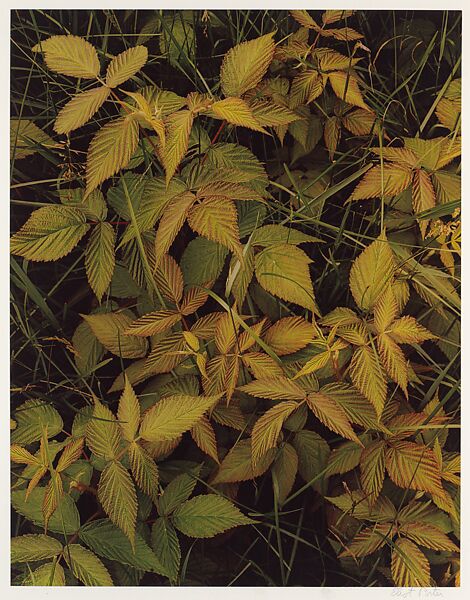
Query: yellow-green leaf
point(237, 112)
point(171, 222)
point(283, 271)
point(267, 428)
point(70, 55)
point(100, 258)
point(110, 329)
point(153, 323)
point(103, 435)
point(128, 412)
point(50, 233)
point(274, 388)
point(125, 65)
point(244, 65)
point(216, 219)
point(117, 495)
point(31, 547)
point(331, 414)
point(80, 109)
point(110, 150)
point(372, 270)
point(372, 467)
point(174, 415)
point(87, 567)
point(144, 470)
point(410, 567)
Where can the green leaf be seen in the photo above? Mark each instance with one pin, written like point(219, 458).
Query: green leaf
point(65, 519)
point(80, 109)
point(284, 471)
point(174, 415)
point(32, 547)
point(24, 136)
point(103, 435)
point(244, 65)
point(107, 540)
point(109, 328)
point(126, 65)
point(117, 495)
point(70, 55)
point(313, 452)
point(110, 150)
point(283, 271)
point(206, 516)
point(50, 233)
point(197, 271)
point(86, 566)
point(372, 270)
point(48, 574)
point(166, 546)
point(88, 349)
point(100, 259)
point(32, 418)
point(271, 235)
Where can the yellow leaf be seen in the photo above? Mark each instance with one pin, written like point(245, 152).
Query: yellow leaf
point(303, 18)
point(144, 470)
point(270, 114)
point(367, 375)
point(306, 88)
point(345, 86)
point(289, 335)
point(385, 310)
point(393, 360)
point(332, 16)
point(174, 415)
point(372, 467)
point(193, 299)
point(237, 464)
point(413, 466)
point(330, 413)
point(368, 540)
point(389, 180)
point(360, 122)
point(80, 109)
point(203, 434)
point(407, 330)
point(153, 323)
point(222, 375)
point(169, 279)
point(428, 536)
point(423, 196)
point(100, 258)
point(244, 65)
point(261, 365)
point(274, 388)
point(50, 233)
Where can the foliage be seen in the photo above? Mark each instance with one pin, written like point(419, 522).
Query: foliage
point(235, 298)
